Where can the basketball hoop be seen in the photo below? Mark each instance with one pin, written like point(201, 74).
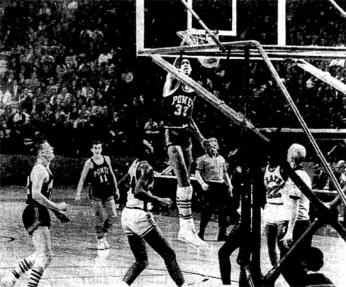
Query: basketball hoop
point(199, 39)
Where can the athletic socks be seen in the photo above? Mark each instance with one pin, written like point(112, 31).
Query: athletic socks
point(35, 278)
point(23, 267)
point(184, 196)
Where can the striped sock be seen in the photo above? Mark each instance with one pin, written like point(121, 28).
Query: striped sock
point(23, 267)
point(184, 208)
point(183, 199)
point(35, 278)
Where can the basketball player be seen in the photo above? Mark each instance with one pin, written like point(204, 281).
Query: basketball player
point(37, 220)
point(103, 193)
point(297, 205)
point(140, 227)
point(275, 215)
point(211, 174)
point(178, 101)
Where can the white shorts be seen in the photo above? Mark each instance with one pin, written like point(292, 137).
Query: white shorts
point(137, 221)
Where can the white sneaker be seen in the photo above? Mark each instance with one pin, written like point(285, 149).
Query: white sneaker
point(189, 236)
point(105, 243)
point(8, 281)
point(100, 244)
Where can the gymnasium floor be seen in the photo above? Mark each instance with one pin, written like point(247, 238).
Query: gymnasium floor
point(76, 261)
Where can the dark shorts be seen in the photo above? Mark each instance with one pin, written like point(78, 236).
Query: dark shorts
point(217, 199)
point(101, 193)
point(217, 195)
point(180, 137)
point(35, 216)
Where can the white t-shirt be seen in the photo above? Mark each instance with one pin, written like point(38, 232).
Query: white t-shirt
point(294, 192)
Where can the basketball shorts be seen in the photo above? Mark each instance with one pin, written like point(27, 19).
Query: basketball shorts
point(34, 216)
point(103, 193)
point(180, 137)
point(137, 221)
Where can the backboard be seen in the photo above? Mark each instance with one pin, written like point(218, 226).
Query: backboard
point(158, 21)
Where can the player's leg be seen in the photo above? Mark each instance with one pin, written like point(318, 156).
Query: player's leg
point(187, 230)
point(137, 246)
point(111, 215)
point(156, 240)
point(43, 250)
point(99, 221)
point(206, 214)
point(23, 266)
point(292, 269)
point(221, 202)
point(231, 244)
point(272, 233)
point(30, 218)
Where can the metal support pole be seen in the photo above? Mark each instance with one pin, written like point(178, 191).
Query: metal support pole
point(208, 31)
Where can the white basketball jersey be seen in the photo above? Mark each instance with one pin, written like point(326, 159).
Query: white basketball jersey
point(274, 210)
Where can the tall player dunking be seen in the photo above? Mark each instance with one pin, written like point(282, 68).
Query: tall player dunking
point(178, 101)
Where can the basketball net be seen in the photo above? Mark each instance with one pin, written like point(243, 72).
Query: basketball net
point(192, 39)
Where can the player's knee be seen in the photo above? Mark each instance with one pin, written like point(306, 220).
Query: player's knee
point(43, 260)
point(142, 264)
point(184, 193)
point(169, 255)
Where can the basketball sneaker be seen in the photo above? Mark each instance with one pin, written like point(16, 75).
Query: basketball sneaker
point(100, 244)
point(8, 281)
point(189, 235)
point(105, 243)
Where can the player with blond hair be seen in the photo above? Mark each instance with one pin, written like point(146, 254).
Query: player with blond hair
point(37, 220)
point(297, 205)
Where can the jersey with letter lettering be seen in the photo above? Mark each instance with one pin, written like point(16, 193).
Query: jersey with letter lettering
point(274, 210)
point(101, 180)
point(178, 107)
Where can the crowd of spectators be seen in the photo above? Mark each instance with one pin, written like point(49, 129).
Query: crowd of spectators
point(72, 74)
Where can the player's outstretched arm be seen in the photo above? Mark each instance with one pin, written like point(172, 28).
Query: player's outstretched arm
point(195, 131)
point(141, 189)
point(170, 83)
point(117, 194)
point(82, 178)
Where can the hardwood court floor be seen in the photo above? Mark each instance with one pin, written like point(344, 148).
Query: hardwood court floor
point(76, 261)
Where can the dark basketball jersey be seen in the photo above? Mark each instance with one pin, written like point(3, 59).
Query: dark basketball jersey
point(101, 180)
point(46, 189)
point(178, 106)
